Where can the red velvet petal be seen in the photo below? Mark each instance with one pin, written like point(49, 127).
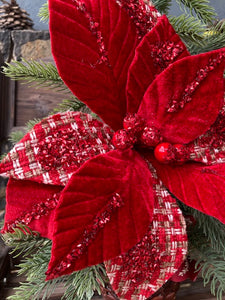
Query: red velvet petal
point(147, 266)
point(184, 101)
point(158, 49)
point(89, 191)
point(93, 43)
point(56, 147)
point(198, 186)
point(31, 204)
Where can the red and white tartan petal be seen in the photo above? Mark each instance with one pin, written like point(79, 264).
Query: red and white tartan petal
point(141, 271)
point(56, 147)
point(209, 148)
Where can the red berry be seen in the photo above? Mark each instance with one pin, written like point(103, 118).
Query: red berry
point(163, 152)
point(133, 123)
point(150, 136)
point(122, 140)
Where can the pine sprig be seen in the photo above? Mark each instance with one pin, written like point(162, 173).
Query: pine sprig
point(201, 8)
point(39, 74)
point(213, 229)
point(207, 246)
point(82, 284)
point(188, 28)
point(16, 136)
point(214, 38)
point(30, 124)
point(209, 229)
point(73, 104)
point(36, 251)
point(35, 266)
point(162, 5)
point(211, 264)
point(23, 240)
point(44, 13)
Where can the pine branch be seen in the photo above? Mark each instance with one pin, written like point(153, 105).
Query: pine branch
point(162, 5)
point(30, 124)
point(201, 8)
point(37, 74)
point(82, 284)
point(207, 246)
point(2, 156)
point(211, 264)
point(16, 136)
point(70, 104)
point(35, 266)
point(23, 240)
point(36, 252)
point(44, 13)
point(213, 229)
point(214, 38)
point(210, 230)
point(188, 28)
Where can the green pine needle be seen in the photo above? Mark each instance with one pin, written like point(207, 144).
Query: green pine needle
point(214, 39)
point(35, 73)
point(70, 104)
point(16, 136)
point(207, 246)
point(36, 251)
point(188, 28)
point(23, 240)
point(162, 5)
point(82, 284)
point(44, 13)
point(211, 230)
point(30, 124)
point(211, 264)
point(201, 8)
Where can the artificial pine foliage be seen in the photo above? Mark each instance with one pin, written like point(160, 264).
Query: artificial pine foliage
point(201, 33)
point(12, 17)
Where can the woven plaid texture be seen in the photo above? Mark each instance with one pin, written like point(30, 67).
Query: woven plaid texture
point(165, 252)
point(56, 147)
point(210, 147)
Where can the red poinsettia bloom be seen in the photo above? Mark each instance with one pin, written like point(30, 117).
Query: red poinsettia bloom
point(101, 192)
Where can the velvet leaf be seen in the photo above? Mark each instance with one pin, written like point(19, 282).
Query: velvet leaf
point(93, 43)
point(146, 267)
point(184, 104)
point(104, 210)
point(56, 147)
point(158, 49)
point(198, 186)
point(31, 204)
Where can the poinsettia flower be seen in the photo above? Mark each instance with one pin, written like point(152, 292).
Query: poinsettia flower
point(101, 192)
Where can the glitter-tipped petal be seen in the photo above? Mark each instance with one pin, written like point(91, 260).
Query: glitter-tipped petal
point(159, 48)
point(104, 210)
point(93, 43)
point(183, 105)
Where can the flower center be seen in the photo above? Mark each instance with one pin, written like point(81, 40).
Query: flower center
point(136, 132)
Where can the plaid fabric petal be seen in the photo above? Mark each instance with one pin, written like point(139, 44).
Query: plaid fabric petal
point(209, 148)
point(141, 271)
point(56, 147)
